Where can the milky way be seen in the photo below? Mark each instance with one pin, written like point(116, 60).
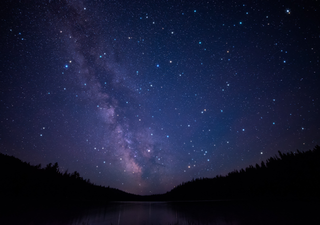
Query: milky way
point(125, 138)
point(142, 96)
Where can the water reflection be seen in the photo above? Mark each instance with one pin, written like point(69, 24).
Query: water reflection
point(163, 213)
point(131, 213)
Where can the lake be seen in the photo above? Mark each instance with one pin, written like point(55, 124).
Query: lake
point(166, 213)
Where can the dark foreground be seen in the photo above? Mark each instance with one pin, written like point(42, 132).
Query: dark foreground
point(284, 177)
point(283, 190)
point(210, 212)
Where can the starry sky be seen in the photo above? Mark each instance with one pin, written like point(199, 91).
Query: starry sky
point(143, 95)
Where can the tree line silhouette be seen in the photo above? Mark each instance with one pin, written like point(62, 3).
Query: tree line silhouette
point(22, 183)
point(287, 176)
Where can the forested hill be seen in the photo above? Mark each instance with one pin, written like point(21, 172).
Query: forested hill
point(286, 176)
point(22, 183)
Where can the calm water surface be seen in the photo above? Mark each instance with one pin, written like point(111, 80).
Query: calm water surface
point(164, 213)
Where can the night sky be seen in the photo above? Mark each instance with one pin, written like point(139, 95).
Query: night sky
point(143, 95)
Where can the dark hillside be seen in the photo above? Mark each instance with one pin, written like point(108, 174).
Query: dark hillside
point(24, 184)
point(287, 176)
point(294, 176)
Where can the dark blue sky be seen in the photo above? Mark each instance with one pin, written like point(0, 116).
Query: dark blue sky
point(144, 95)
